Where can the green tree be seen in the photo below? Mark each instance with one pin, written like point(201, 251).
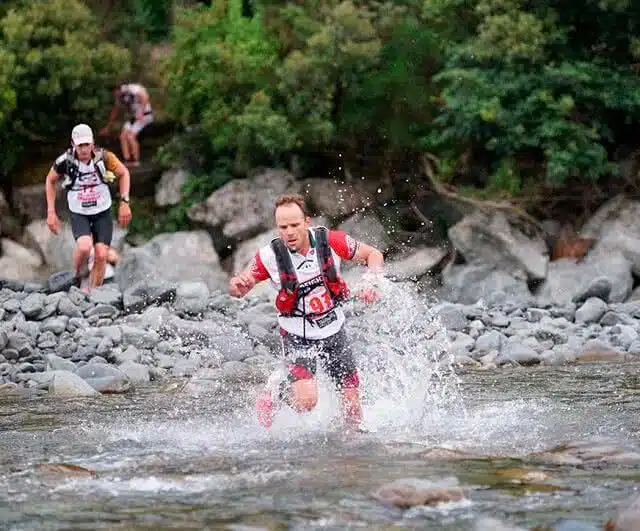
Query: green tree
point(7, 93)
point(133, 22)
point(61, 71)
point(524, 90)
point(303, 77)
point(316, 80)
point(151, 18)
point(523, 80)
point(393, 105)
point(221, 78)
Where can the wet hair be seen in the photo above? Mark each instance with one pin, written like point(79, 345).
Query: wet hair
point(291, 199)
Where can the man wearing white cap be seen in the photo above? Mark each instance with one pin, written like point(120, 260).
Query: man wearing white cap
point(86, 173)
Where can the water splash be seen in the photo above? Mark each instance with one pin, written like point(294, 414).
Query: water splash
point(407, 376)
point(407, 371)
point(408, 384)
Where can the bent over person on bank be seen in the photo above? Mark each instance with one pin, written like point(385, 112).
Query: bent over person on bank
point(86, 172)
point(303, 264)
point(135, 98)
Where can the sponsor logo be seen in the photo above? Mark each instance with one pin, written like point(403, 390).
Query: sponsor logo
point(305, 266)
point(253, 266)
point(309, 285)
point(352, 244)
point(326, 320)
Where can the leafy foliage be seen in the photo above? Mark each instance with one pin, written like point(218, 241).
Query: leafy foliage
point(503, 92)
point(151, 19)
point(220, 78)
point(55, 71)
point(8, 99)
point(197, 188)
point(519, 83)
point(545, 90)
point(395, 101)
point(133, 22)
point(302, 77)
point(7, 92)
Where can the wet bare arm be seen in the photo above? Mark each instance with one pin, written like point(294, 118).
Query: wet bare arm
point(366, 254)
point(112, 116)
point(124, 185)
point(123, 175)
point(50, 190)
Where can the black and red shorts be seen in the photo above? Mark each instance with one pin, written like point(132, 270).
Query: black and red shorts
point(99, 226)
point(334, 352)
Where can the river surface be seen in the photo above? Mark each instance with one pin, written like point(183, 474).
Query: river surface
point(167, 458)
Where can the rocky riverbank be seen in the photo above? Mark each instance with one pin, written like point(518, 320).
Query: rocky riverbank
point(483, 254)
point(71, 344)
point(496, 292)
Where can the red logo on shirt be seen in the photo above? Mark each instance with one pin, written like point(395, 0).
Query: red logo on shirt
point(351, 244)
point(253, 267)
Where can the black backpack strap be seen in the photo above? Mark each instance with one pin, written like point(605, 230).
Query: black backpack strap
point(288, 277)
point(71, 169)
point(325, 258)
point(99, 163)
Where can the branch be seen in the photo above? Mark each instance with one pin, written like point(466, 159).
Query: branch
point(484, 205)
point(348, 176)
point(427, 222)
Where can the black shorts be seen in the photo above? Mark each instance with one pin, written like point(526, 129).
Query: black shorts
point(333, 352)
point(99, 226)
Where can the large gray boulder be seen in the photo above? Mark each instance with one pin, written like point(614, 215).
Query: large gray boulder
point(173, 257)
point(568, 280)
point(243, 208)
point(491, 239)
point(616, 230)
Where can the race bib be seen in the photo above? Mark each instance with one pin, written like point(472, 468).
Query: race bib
point(89, 196)
point(325, 320)
point(318, 301)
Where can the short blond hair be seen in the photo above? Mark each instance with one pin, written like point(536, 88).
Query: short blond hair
point(291, 199)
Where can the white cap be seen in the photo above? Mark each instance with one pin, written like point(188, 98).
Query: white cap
point(82, 134)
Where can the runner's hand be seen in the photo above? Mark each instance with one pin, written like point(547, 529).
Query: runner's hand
point(241, 284)
point(53, 222)
point(124, 214)
point(368, 295)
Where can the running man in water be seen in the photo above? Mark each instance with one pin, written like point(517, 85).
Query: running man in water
point(135, 98)
point(87, 172)
point(303, 263)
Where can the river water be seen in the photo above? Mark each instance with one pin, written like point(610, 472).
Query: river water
point(167, 457)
